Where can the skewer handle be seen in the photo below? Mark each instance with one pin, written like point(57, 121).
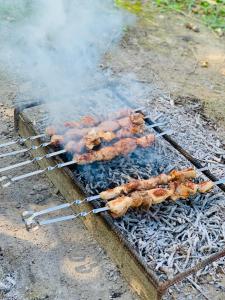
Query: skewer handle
point(14, 153)
point(25, 150)
point(59, 219)
point(31, 214)
point(32, 224)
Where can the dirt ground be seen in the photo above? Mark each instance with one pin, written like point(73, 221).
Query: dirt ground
point(61, 262)
point(64, 262)
point(183, 63)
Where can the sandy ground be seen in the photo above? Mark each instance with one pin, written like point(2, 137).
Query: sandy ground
point(64, 262)
point(59, 262)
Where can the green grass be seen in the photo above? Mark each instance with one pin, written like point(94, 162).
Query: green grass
point(132, 6)
point(211, 12)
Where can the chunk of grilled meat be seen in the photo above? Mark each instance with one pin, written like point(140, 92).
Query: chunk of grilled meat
point(122, 147)
point(86, 121)
point(150, 183)
point(57, 139)
point(94, 138)
point(51, 130)
point(177, 190)
point(186, 189)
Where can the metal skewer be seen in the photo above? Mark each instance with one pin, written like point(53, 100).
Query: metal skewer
point(29, 161)
point(33, 147)
point(33, 224)
point(51, 168)
point(31, 214)
point(29, 217)
point(23, 140)
point(38, 158)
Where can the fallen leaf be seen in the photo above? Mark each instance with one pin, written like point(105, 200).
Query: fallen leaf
point(204, 64)
point(192, 27)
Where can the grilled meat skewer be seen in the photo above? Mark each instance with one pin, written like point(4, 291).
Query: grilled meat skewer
point(89, 121)
point(150, 183)
point(86, 121)
point(122, 147)
point(177, 190)
point(119, 206)
point(133, 124)
point(94, 138)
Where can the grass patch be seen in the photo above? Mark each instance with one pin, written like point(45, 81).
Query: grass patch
point(211, 12)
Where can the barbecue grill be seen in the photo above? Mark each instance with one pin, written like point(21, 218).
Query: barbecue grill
point(118, 237)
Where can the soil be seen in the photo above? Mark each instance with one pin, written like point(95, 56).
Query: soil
point(186, 65)
point(59, 262)
point(64, 262)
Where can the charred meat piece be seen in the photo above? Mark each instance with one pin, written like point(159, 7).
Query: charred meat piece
point(119, 206)
point(146, 140)
point(177, 190)
point(57, 139)
point(122, 147)
point(86, 121)
point(186, 189)
point(146, 184)
point(134, 123)
point(51, 130)
point(136, 119)
point(94, 138)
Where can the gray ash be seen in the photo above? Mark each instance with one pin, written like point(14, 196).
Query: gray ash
point(103, 175)
point(169, 237)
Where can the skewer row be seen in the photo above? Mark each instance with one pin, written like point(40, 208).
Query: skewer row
point(149, 193)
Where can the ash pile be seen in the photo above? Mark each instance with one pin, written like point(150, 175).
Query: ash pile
point(169, 237)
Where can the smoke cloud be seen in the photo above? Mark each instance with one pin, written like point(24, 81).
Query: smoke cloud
point(58, 44)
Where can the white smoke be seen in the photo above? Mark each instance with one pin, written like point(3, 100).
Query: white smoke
point(58, 44)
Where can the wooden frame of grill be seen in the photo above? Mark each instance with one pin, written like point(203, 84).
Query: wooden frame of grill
point(139, 276)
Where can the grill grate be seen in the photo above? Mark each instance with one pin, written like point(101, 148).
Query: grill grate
point(171, 238)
